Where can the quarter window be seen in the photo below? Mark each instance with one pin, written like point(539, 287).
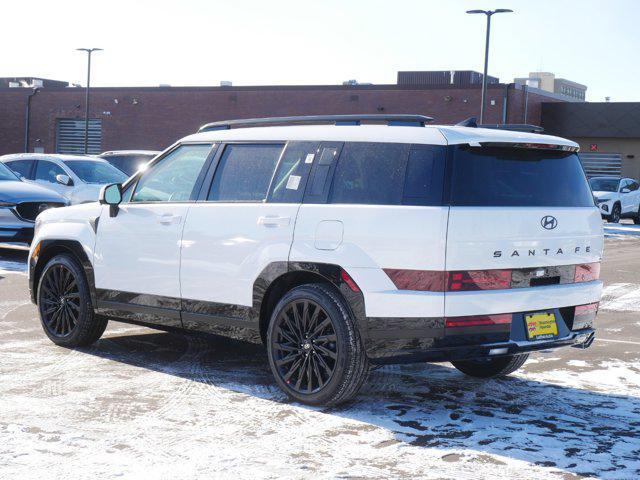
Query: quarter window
point(47, 171)
point(244, 173)
point(173, 178)
point(370, 173)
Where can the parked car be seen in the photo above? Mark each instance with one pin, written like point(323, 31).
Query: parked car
point(339, 246)
point(129, 161)
point(77, 178)
point(20, 204)
point(617, 198)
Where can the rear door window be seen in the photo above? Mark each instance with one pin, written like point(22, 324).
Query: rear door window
point(47, 171)
point(513, 177)
point(291, 176)
point(244, 173)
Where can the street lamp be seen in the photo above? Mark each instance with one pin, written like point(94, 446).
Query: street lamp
point(489, 14)
point(86, 101)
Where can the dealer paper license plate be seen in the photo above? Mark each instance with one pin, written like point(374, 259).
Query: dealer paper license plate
point(541, 326)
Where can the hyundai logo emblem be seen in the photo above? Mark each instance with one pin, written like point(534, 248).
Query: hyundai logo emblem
point(549, 222)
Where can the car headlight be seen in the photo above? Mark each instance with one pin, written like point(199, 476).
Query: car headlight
point(7, 204)
point(602, 200)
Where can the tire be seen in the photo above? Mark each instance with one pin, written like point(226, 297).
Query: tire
point(615, 214)
point(491, 367)
point(636, 218)
point(64, 304)
point(314, 346)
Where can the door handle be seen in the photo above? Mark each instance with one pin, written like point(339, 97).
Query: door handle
point(168, 219)
point(274, 221)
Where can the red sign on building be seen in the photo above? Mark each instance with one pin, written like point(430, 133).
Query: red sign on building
point(593, 147)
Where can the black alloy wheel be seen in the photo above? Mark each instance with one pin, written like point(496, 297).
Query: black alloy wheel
point(305, 346)
point(64, 302)
point(60, 301)
point(315, 351)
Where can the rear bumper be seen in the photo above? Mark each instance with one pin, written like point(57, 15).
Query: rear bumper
point(580, 339)
point(406, 340)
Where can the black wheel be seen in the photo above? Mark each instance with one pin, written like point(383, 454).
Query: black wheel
point(615, 214)
point(636, 218)
point(314, 347)
point(64, 302)
point(491, 367)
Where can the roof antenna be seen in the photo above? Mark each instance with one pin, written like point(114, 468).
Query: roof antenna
point(469, 122)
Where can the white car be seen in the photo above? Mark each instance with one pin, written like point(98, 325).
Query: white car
point(339, 246)
point(77, 178)
point(617, 198)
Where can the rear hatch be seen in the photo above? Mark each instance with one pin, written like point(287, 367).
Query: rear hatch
point(527, 215)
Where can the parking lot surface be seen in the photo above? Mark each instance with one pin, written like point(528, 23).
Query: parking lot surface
point(146, 404)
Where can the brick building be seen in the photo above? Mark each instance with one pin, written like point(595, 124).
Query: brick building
point(154, 117)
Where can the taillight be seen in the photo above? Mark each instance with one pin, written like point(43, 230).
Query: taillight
point(586, 272)
point(478, 280)
point(478, 320)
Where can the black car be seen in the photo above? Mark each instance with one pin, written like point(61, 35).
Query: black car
point(129, 161)
point(20, 204)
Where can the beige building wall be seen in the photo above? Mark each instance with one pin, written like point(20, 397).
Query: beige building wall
point(628, 148)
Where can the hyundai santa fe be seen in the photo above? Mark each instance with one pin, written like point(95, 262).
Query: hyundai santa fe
point(340, 242)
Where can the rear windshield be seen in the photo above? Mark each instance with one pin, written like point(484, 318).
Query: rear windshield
point(511, 177)
point(96, 171)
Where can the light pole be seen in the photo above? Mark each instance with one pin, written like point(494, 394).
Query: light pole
point(86, 100)
point(489, 14)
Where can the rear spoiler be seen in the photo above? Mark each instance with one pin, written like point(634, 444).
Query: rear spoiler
point(514, 127)
point(528, 145)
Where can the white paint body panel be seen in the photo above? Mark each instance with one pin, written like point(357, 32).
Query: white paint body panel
point(376, 237)
point(139, 249)
point(225, 246)
point(68, 223)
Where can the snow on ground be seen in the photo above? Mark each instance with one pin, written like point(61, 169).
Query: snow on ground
point(621, 230)
point(621, 297)
point(142, 404)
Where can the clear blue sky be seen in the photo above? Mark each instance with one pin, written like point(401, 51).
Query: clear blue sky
point(253, 42)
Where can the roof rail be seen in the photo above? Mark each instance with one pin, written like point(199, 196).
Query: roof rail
point(395, 120)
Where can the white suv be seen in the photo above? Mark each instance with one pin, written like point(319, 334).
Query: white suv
point(78, 178)
point(617, 198)
point(339, 246)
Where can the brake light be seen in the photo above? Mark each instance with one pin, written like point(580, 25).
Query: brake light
point(478, 320)
point(349, 281)
point(587, 272)
point(478, 280)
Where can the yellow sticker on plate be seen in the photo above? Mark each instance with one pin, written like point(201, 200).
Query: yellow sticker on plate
point(541, 326)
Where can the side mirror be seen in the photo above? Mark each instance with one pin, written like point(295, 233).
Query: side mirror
point(111, 195)
point(625, 190)
point(64, 180)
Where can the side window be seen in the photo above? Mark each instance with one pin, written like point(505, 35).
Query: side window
point(293, 170)
point(370, 173)
point(21, 167)
point(172, 178)
point(424, 179)
point(47, 171)
point(633, 186)
point(244, 173)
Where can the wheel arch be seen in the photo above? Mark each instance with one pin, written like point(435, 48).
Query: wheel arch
point(50, 248)
point(277, 280)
